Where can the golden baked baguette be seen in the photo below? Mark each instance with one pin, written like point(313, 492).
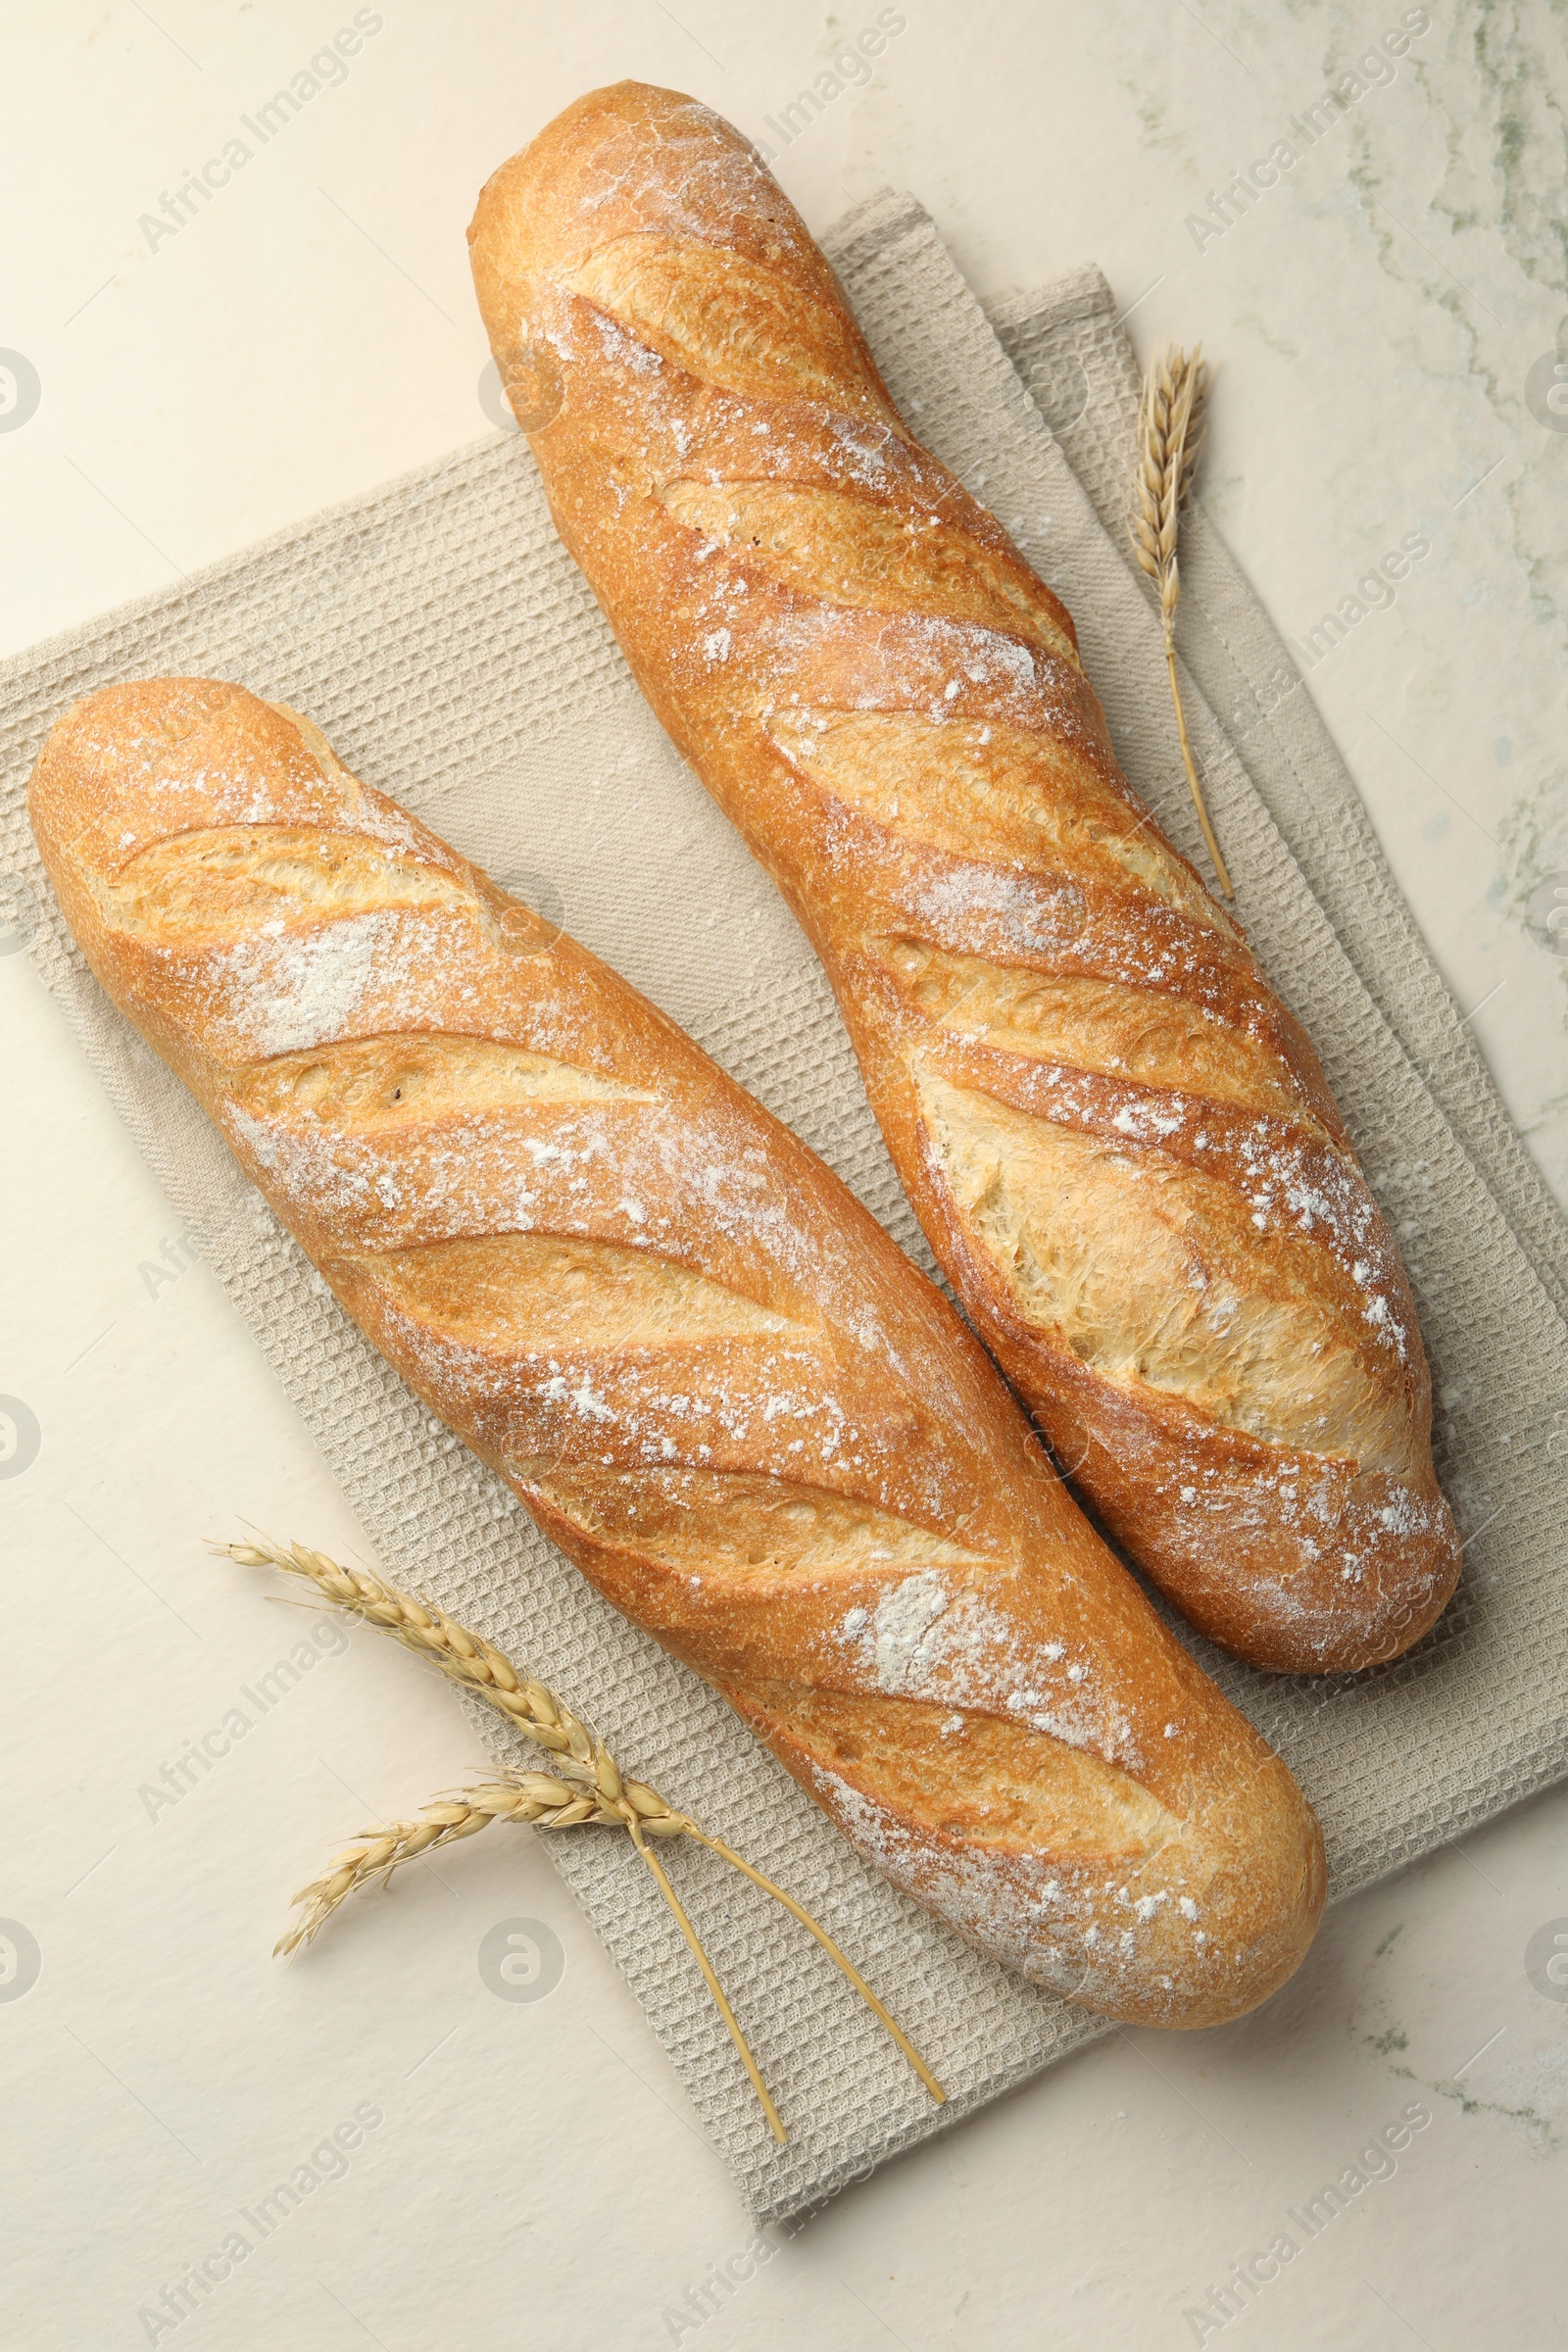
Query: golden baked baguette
point(704, 1369)
point(1118, 1141)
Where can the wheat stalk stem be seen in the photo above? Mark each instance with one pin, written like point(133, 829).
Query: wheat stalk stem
point(1171, 427)
point(584, 1786)
point(709, 1977)
point(834, 1953)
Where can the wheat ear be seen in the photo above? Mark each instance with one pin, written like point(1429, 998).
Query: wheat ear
point(583, 1785)
point(1171, 427)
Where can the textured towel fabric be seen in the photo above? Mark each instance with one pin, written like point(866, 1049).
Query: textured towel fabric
point(446, 645)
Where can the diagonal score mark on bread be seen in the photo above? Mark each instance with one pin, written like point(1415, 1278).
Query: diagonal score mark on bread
point(1092, 1025)
point(759, 1527)
point(839, 546)
point(241, 877)
point(534, 1292)
point(694, 1358)
point(684, 298)
point(1103, 1249)
point(988, 788)
point(876, 686)
point(409, 1078)
point(1020, 1784)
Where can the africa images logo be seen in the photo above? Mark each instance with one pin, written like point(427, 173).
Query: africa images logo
point(20, 1960)
point(20, 1437)
point(1546, 386)
point(20, 390)
point(522, 1959)
point(1547, 1960)
point(1547, 913)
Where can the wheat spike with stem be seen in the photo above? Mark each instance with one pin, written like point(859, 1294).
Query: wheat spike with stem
point(583, 1785)
point(1170, 437)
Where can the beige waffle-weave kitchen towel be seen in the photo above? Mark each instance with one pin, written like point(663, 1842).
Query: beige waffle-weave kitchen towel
point(444, 642)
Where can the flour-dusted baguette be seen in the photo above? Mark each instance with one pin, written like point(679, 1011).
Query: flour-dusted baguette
point(705, 1370)
point(1119, 1143)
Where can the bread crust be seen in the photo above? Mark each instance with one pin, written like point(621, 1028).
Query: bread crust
point(704, 1368)
point(1119, 1143)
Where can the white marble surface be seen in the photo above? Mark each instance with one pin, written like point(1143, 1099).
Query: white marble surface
point(535, 2176)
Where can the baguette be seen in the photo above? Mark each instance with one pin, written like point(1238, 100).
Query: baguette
point(708, 1374)
point(1119, 1143)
